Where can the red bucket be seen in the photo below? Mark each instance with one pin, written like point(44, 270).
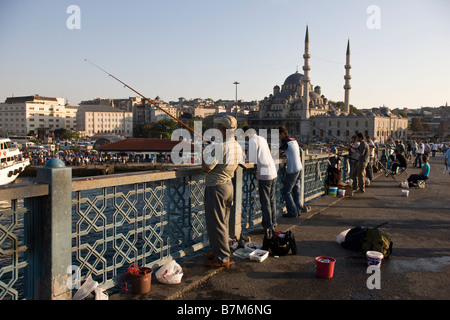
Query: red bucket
point(325, 267)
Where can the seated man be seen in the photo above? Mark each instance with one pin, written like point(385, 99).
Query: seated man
point(423, 175)
point(400, 162)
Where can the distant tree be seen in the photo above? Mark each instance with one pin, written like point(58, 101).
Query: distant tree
point(416, 125)
point(341, 106)
point(162, 128)
point(402, 113)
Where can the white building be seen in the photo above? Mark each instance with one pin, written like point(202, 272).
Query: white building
point(101, 119)
point(30, 114)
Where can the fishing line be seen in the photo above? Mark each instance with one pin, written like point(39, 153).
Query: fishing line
point(149, 100)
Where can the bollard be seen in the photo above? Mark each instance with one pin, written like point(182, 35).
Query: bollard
point(52, 248)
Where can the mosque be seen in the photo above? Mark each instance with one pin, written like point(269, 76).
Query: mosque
point(307, 113)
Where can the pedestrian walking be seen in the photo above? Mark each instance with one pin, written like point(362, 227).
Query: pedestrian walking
point(420, 152)
point(260, 154)
point(291, 190)
point(220, 161)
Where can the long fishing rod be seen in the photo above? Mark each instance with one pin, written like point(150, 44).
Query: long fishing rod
point(329, 134)
point(149, 100)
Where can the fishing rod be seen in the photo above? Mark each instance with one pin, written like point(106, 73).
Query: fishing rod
point(149, 100)
point(329, 134)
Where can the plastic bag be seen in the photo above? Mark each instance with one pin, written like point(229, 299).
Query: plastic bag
point(341, 236)
point(88, 286)
point(170, 273)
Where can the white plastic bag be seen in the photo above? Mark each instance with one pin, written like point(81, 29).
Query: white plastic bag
point(88, 286)
point(341, 236)
point(170, 273)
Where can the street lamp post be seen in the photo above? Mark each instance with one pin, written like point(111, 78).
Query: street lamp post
point(236, 103)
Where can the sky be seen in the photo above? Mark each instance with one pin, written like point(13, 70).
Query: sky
point(400, 49)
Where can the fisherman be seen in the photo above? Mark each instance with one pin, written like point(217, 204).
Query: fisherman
point(220, 161)
point(291, 184)
point(260, 154)
point(358, 174)
point(354, 156)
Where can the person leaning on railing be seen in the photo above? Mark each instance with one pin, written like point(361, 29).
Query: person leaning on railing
point(218, 198)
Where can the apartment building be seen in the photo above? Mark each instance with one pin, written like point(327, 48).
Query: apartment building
point(32, 114)
point(101, 119)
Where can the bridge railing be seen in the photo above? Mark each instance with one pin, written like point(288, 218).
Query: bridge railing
point(59, 228)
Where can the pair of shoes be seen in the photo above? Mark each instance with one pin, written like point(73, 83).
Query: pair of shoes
point(360, 191)
point(285, 215)
point(215, 264)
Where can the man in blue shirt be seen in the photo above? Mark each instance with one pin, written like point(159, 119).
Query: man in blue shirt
point(423, 175)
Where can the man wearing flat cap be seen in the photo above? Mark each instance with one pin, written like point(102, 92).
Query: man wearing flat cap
point(220, 161)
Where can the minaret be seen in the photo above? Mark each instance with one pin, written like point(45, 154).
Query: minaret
point(347, 78)
point(306, 79)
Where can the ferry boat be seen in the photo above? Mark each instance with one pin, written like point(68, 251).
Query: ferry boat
point(11, 162)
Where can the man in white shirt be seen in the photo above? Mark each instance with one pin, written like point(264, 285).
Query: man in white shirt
point(259, 153)
point(420, 152)
point(291, 190)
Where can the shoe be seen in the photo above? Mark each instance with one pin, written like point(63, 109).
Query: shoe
point(306, 209)
point(285, 215)
point(215, 264)
point(360, 191)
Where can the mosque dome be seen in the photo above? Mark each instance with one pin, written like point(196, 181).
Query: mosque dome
point(295, 78)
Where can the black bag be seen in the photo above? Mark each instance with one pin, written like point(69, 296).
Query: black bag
point(334, 176)
point(354, 238)
point(363, 239)
point(279, 244)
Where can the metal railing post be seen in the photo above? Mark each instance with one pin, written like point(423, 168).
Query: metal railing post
point(302, 178)
point(53, 232)
point(236, 211)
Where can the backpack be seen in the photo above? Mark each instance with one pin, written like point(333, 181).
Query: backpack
point(377, 240)
point(279, 244)
point(354, 238)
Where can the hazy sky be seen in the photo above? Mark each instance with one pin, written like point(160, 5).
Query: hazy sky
point(197, 48)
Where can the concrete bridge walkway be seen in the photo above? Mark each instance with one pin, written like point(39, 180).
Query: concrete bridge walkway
point(419, 267)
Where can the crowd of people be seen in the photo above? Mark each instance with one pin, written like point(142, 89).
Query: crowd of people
point(220, 170)
point(418, 152)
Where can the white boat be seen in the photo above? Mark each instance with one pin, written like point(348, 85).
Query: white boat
point(11, 162)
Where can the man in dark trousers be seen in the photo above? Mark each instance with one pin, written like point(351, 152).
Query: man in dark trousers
point(291, 190)
point(360, 170)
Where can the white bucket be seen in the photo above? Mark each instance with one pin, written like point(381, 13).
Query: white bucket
point(405, 193)
point(341, 193)
point(374, 258)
